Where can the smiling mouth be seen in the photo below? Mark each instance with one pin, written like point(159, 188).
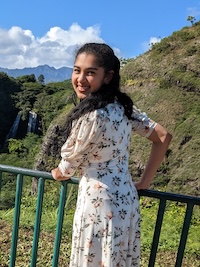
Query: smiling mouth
point(82, 89)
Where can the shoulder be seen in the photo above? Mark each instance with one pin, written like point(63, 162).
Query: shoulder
point(142, 123)
point(110, 109)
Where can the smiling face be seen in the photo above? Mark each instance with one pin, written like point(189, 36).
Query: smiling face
point(87, 76)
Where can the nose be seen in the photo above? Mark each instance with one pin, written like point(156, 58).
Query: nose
point(81, 77)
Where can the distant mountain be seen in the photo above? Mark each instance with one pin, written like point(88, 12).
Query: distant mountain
point(50, 73)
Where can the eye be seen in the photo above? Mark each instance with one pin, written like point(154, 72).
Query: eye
point(91, 73)
point(76, 70)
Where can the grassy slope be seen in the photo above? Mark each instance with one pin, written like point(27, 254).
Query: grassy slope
point(168, 244)
point(164, 82)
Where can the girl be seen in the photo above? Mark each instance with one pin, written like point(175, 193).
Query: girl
point(106, 228)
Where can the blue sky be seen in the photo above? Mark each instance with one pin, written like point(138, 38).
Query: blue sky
point(41, 32)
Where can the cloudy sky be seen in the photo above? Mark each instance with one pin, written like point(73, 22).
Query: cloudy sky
point(42, 32)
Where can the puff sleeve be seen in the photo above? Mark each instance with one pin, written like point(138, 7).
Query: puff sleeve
point(141, 123)
point(85, 133)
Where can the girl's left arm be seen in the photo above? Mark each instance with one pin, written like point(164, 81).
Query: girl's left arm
point(160, 139)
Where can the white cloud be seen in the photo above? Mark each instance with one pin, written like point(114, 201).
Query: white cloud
point(148, 44)
point(20, 48)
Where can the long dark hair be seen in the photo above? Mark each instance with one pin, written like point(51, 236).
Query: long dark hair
point(105, 58)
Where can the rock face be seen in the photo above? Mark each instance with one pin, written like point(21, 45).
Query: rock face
point(49, 154)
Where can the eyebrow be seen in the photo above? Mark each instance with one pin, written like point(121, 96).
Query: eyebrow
point(90, 68)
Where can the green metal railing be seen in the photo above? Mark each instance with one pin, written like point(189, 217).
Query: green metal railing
point(42, 176)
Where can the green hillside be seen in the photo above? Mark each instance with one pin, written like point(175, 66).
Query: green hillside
point(165, 82)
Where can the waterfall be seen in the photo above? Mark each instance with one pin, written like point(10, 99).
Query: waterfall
point(32, 122)
point(13, 130)
point(19, 131)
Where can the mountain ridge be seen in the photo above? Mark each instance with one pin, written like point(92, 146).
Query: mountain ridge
point(51, 74)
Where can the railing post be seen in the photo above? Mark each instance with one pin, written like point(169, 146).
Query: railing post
point(15, 230)
point(37, 221)
point(157, 230)
point(162, 196)
point(61, 208)
point(184, 234)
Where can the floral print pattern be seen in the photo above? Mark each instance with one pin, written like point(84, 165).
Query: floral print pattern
point(106, 228)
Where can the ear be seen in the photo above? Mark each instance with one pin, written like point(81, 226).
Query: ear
point(109, 77)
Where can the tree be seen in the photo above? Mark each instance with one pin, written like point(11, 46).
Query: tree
point(8, 88)
point(191, 19)
point(41, 79)
point(27, 78)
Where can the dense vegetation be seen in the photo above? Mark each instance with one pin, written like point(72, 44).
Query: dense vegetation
point(8, 87)
point(165, 83)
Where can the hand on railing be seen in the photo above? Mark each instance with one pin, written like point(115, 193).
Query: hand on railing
point(57, 175)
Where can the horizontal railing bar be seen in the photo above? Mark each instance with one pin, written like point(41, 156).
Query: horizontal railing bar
point(75, 180)
point(34, 173)
point(41, 175)
point(27, 172)
point(170, 196)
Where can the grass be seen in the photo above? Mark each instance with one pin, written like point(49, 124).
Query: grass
point(170, 234)
point(168, 245)
point(45, 247)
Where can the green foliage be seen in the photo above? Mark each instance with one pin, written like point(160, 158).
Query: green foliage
point(27, 78)
point(191, 19)
point(21, 152)
point(170, 95)
point(163, 47)
point(25, 94)
point(27, 97)
point(123, 62)
point(41, 78)
point(183, 36)
point(170, 231)
point(15, 146)
point(184, 79)
point(51, 101)
point(168, 243)
point(164, 82)
point(8, 193)
point(8, 86)
point(191, 50)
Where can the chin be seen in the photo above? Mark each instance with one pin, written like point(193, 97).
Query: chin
point(81, 95)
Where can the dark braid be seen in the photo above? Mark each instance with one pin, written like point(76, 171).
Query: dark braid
point(108, 92)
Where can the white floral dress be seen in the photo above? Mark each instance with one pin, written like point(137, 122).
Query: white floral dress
point(106, 229)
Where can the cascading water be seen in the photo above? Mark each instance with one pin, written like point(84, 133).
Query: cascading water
point(17, 130)
point(32, 122)
point(13, 130)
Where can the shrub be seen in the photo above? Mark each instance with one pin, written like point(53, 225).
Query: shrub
point(191, 50)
